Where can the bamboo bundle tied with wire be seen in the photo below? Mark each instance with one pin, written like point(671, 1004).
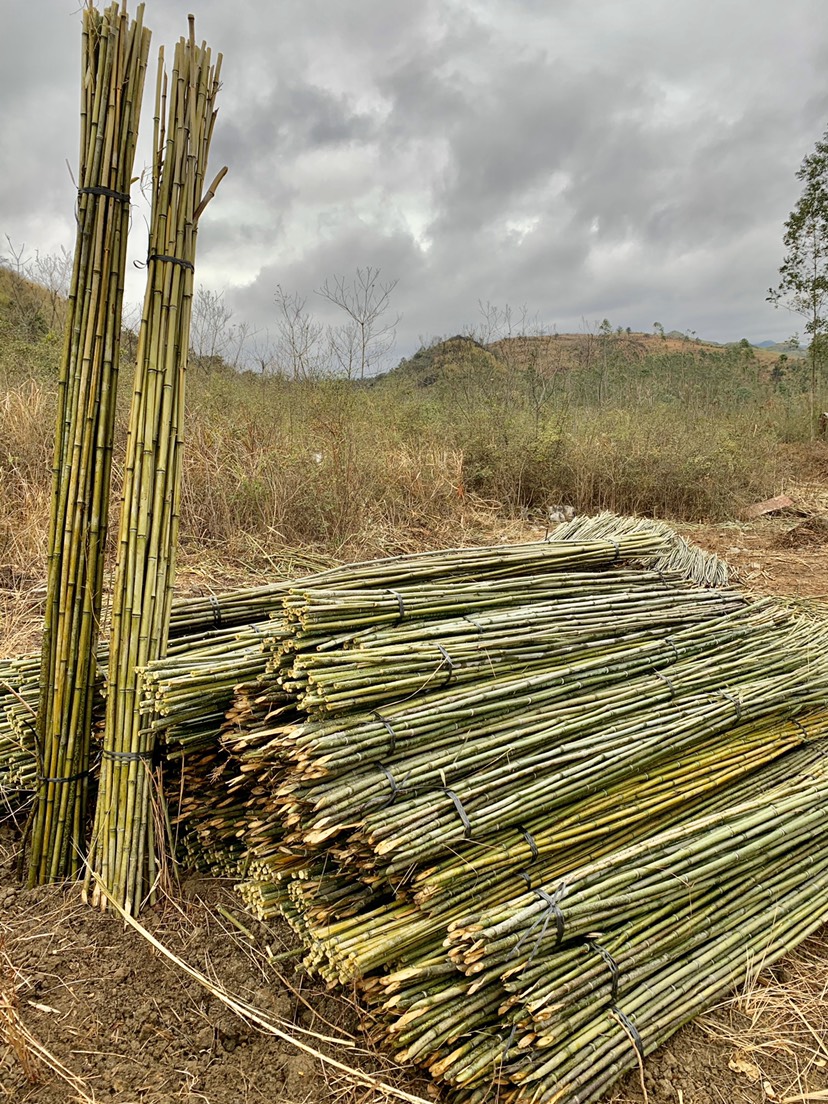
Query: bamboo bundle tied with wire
point(114, 58)
point(123, 849)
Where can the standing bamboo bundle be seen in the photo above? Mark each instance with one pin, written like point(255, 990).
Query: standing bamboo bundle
point(113, 66)
point(123, 846)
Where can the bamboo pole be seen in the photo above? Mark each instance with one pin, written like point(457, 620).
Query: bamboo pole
point(123, 852)
point(114, 56)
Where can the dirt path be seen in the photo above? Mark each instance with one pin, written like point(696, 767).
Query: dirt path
point(133, 1028)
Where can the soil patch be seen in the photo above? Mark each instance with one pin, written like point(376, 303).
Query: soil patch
point(134, 1028)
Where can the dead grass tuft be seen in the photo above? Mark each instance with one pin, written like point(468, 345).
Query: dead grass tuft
point(777, 1026)
point(12, 1032)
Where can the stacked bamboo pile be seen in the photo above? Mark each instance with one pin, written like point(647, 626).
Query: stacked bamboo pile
point(539, 825)
point(493, 577)
point(541, 804)
point(19, 691)
point(114, 61)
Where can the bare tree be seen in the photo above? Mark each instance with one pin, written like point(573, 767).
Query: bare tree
point(34, 313)
point(299, 349)
point(53, 271)
point(214, 340)
point(262, 352)
point(361, 345)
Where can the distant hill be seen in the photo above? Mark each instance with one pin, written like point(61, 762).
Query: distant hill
point(780, 347)
point(551, 353)
point(431, 363)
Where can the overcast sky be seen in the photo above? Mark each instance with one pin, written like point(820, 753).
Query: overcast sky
point(627, 159)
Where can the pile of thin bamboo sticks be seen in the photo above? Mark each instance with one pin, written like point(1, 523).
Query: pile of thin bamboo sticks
point(505, 812)
point(509, 824)
point(114, 62)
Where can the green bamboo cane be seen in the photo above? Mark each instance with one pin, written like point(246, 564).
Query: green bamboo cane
point(124, 841)
point(113, 66)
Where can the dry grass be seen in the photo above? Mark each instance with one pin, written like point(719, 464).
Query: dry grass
point(777, 1027)
point(12, 1032)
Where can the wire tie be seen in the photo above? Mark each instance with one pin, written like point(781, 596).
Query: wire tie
point(554, 910)
point(449, 662)
point(216, 611)
point(173, 260)
point(666, 678)
point(389, 729)
point(801, 727)
point(461, 812)
point(472, 621)
point(127, 756)
point(669, 640)
point(616, 546)
point(613, 967)
point(69, 778)
point(395, 789)
point(526, 877)
point(400, 601)
point(98, 190)
point(735, 700)
point(527, 835)
point(630, 1028)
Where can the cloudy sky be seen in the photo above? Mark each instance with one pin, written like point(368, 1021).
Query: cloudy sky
point(627, 159)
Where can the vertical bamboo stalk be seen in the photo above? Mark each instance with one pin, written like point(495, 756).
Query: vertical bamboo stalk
point(114, 59)
point(123, 852)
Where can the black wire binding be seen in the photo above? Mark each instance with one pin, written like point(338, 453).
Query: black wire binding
point(216, 611)
point(631, 1029)
point(554, 910)
point(98, 190)
point(527, 835)
point(395, 789)
point(400, 601)
point(735, 700)
point(666, 678)
point(65, 781)
point(613, 967)
point(461, 812)
point(449, 662)
point(616, 546)
point(173, 260)
point(389, 729)
point(801, 728)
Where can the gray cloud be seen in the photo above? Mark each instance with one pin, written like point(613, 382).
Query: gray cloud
point(634, 161)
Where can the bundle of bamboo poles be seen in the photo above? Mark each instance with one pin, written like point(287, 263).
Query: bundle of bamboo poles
point(539, 805)
point(123, 850)
point(536, 869)
point(114, 61)
point(663, 549)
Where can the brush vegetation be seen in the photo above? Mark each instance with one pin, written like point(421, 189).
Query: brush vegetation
point(454, 441)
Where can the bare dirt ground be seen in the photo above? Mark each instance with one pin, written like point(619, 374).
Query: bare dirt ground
point(83, 990)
